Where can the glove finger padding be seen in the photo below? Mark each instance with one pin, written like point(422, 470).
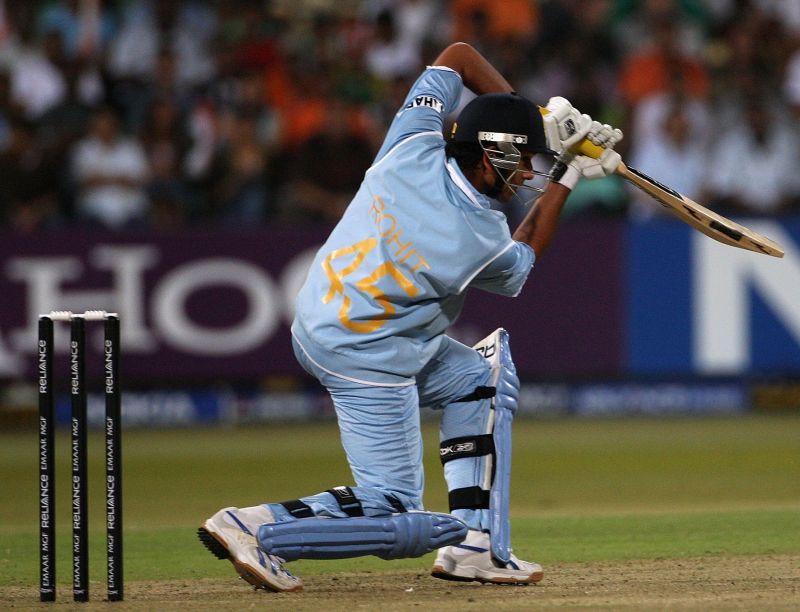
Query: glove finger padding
point(610, 160)
point(569, 168)
point(603, 135)
point(591, 168)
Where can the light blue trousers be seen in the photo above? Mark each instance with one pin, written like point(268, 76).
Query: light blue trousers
point(380, 432)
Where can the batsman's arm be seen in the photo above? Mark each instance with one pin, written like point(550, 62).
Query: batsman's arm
point(571, 131)
point(475, 70)
point(538, 227)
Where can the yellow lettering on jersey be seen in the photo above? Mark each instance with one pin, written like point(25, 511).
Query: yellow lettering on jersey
point(395, 239)
point(369, 285)
point(420, 264)
point(407, 256)
point(378, 210)
point(361, 248)
point(378, 205)
point(391, 234)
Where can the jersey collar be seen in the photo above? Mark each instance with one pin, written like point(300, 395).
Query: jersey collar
point(474, 196)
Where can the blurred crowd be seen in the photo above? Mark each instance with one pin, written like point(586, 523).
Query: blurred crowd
point(156, 113)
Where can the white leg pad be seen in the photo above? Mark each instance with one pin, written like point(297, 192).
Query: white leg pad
point(495, 348)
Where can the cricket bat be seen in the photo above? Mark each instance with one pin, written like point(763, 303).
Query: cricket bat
point(701, 218)
point(707, 221)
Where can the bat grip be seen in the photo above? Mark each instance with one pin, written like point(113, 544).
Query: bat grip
point(589, 149)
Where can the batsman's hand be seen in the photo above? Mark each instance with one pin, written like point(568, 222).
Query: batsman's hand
point(595, 168)
point(603, 135)
point(564, 125)
point(570, 167)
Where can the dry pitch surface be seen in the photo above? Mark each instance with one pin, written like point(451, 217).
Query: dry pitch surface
point(708, 583)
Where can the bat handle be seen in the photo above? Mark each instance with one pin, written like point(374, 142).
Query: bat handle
point(589, 149)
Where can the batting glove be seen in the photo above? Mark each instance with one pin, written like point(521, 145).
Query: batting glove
point(569, 168)
point(603, 135)
point(564, 126)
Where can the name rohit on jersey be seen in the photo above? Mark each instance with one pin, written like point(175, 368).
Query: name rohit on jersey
point(391, 233)
point(426, 101)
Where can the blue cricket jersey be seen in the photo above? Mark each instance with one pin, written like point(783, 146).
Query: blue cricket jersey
point(392, 276)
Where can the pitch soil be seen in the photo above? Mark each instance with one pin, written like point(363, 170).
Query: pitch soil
point(708, 583)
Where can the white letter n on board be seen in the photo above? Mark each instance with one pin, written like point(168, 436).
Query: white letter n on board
point(723, 277)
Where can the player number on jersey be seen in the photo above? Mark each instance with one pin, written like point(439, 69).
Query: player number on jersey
point(367, 284)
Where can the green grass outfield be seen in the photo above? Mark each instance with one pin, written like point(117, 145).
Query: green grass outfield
point(583, 490)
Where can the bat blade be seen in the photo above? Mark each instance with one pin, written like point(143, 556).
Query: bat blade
point(701, 218)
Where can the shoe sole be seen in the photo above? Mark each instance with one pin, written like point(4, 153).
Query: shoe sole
point(217, 548)
point(439, 572)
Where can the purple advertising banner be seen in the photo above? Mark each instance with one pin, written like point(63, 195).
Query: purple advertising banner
point(212, 306)
point(568, 320)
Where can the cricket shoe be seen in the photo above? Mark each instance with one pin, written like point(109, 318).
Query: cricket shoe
point(229, 537)
point(472, 561)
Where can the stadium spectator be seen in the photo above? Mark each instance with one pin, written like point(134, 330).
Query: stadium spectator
point(654, 69)
point(37, 80)
point(507, 21)
point(391, 55)
point(421, 22)
point(755, 45)
point(9, 110)
point(791, 81)
point(149, 27)
point(475, 29)
point(282, 63)
point(165, 145)
point(753, 165)
point(110, 172)
point(302, 103)
point(85, 26)
point(325, 171)
point(585, 68)
point(241, 195)
point(672, 147)
point(162, 49)
point(29, 194)
point(631, 22)
point(135, 98)
point(320, 40)
point(63, 124)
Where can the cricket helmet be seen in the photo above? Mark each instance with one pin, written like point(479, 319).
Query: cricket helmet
point(503, 124)
point(501, 118)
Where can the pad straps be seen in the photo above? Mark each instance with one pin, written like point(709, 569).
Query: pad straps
point(395, 503)
point(469, 498)
point(347, 501)
point(466, 446)
point(298, 509)
point(478, 394)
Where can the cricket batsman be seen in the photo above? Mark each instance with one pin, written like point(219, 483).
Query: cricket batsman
point(370, 325)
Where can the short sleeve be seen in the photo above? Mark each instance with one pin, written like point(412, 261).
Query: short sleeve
point(507, 273)
point(430, 100)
